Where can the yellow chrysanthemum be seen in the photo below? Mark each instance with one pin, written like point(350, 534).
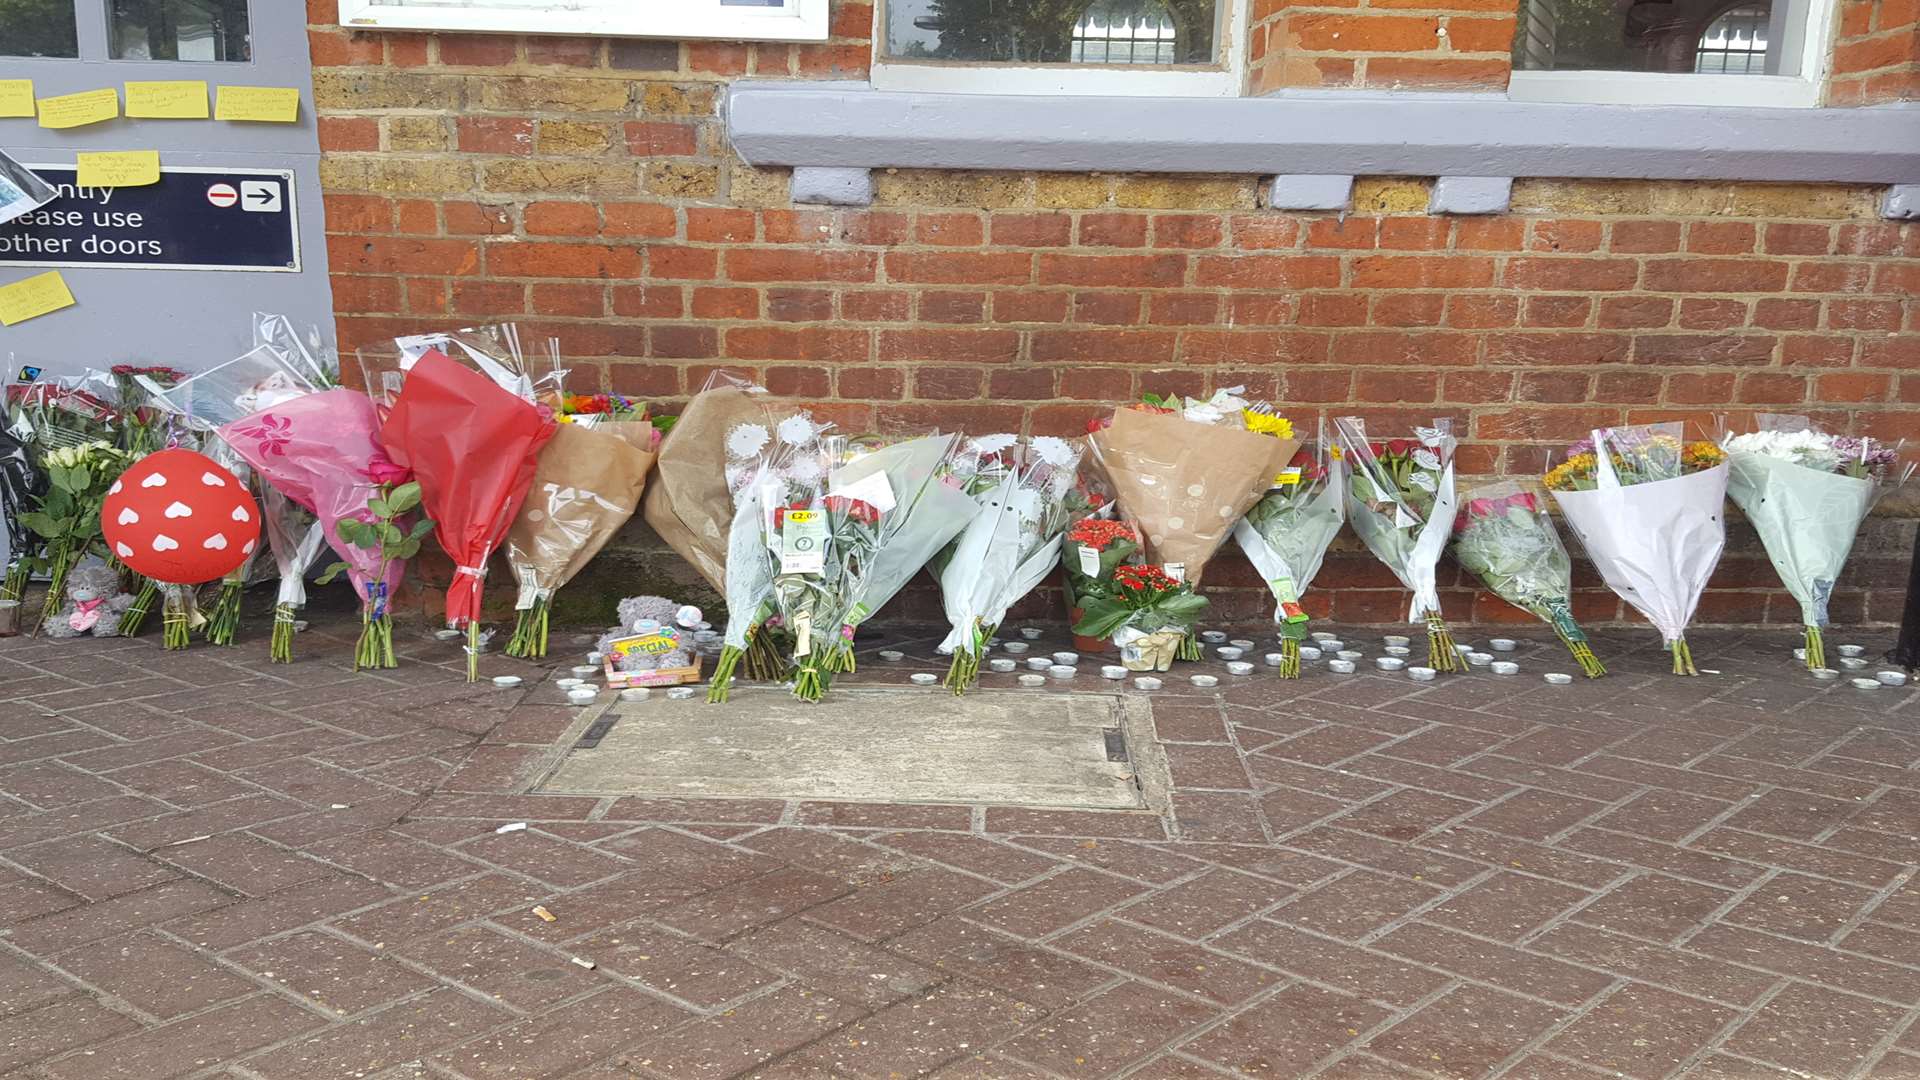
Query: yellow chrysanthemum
point(1563, 475)
point(1260, 423)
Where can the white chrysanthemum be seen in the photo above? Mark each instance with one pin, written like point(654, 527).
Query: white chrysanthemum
point(746, 440)
point(992, 444)
point(797, 430)
point(805, 470)
point(1054, 451)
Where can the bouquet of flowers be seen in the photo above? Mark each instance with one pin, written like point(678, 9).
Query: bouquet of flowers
point(1400, 500)
point(1185, 474)
point(1146, 611)
point(472, 446)
point(321, 449)
point(586, 485)
point(44, 417)
point(1647, 506)
point(1286, 535)
point(224, 621)
point(690, 501)
point(22, 484)
point(775, 466)
point(67, 518)
point(1023, 490)
point(1505, 538)
point(1806, 492)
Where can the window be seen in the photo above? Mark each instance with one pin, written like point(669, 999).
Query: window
point(1700, 52)
point(735, 20)
point(193, 30)
point(1129, 47)
point(38, 28)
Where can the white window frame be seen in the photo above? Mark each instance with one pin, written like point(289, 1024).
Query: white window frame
point(1810, 37)
point(1093, 80)
point(797, 20)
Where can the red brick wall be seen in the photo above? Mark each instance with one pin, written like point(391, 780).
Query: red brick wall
point(585, 189)
point(1876, 54)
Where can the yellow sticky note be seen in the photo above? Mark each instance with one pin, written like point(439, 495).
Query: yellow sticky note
point(180, 100)
point(119, 168)
point(33, 297)
point(16, 97)
point(269, 104)
point(73, 110)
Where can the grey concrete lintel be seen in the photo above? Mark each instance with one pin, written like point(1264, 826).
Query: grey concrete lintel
point(851, 125)
point(1470, 195)
point(1902, 202)
point(1311, 192)
point(833, 186)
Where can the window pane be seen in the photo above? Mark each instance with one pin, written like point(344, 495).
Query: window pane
point(1055, 31)
point(201, 30)
point(1643, 35)
point(38, 28)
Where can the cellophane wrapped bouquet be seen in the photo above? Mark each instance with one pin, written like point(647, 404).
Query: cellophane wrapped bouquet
point(23, 483)
point(1285, 535)
point(1806, 492)
point(146, 425)
point(586, 484)
point(72, 432)
point(1504, 536)
point(1184, 471)
point(1400, 499)
point(1025, 491)
point(1647, 506)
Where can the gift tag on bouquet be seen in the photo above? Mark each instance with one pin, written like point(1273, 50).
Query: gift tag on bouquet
point(871, 489)
point(1176, 570)
point(803, 542)
point(1089, 561)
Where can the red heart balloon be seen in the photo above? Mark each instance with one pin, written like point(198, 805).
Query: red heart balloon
point(180, 518)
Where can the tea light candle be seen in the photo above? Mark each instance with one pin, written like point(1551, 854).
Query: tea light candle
point(1503, 644)
point(1891, 678)
point(596, 659)
point(1039, 663)
point(1323, 635)
point(1825, 674)
point(1230, 652)
point(1340, 667)
point(1272, 659)
point(923, 678)
point(568, 684)
point(1351, 654)
point(1066, 658)
point(1505, 667)
point(1001, 664)
point(1420, 674)
point(1558, 678)
point(1479, 659)
point(1332, 645)
point(582, 696)
point(1866, 684)
point(892, 655)
point(1033, 680)
point(1031, 633)
point(586, 671)
point(1239, 667)
point(1062, 671)
point(506, 680)
point(1397, 650)
point(1852, 650)
point(1852, 663)
point(1398, 639)
point(1112, 671)
point(635, 693)
point(680, 693)
point(1213, 637)
point(1017, 647)
point(1389, 663)
point(1241, 643)
point(1204, 681)
point(1308, 652)
point(1146, 682)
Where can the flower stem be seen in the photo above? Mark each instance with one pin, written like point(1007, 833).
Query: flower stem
point(1189, 646)
point(56, 586)
point(722, 683)
point(1590, 664)
point(473, 650)
point(15, 587)
point(1816, 648)
point(135, 617)
point(1441, 653)
point(1682, 657)
point(529, 639)
point(1289, 658)
point(226, 614)
point(280, 651)
point(174, 626)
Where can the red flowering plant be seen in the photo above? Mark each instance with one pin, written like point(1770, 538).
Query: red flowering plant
point(1146, 611)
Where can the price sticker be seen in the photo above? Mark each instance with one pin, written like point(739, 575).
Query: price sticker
point(803, 542)
point(1289, 597)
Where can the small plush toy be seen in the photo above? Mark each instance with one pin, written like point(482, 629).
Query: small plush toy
point(94, 603)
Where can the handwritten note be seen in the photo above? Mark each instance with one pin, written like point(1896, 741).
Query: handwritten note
point(180, 100)
point(120, 168)
point(266, 104)
point(33, 297)
point(16, 97)
point(74, 110)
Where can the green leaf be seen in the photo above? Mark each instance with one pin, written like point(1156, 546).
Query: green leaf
point(405, 497)
point(335, 570)
point(80, 478)
point(379, 507)
point(406, 549)
point(390, 533)
point(41, 524)
point(420, 529)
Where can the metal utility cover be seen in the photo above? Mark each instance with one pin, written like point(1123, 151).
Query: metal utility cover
point(1011, 748)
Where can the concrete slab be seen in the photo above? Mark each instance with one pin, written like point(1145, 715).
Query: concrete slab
point(882, 745)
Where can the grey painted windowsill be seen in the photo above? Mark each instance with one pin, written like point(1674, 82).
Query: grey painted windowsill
point(851, 125)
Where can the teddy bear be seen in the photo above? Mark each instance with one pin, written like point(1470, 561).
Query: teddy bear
point(93, 605)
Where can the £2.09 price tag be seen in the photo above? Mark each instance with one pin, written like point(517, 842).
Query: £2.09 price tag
point(803, 542)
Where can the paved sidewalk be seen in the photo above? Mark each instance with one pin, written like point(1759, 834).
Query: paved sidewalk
point(214, 867)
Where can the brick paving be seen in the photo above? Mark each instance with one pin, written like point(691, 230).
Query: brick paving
point(213, 867)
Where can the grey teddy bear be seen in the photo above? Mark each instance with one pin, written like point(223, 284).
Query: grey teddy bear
point(93, 604)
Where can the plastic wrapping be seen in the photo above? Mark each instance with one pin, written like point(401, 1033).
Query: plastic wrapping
point(927, 513)
point(472, 446)
point(22, 485)
point(1504, 536)
point(496, 352)
point(1009, 547)
point(1285, 535)
point(1651, 521)
point(1400, 499)
point(1806, 493)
